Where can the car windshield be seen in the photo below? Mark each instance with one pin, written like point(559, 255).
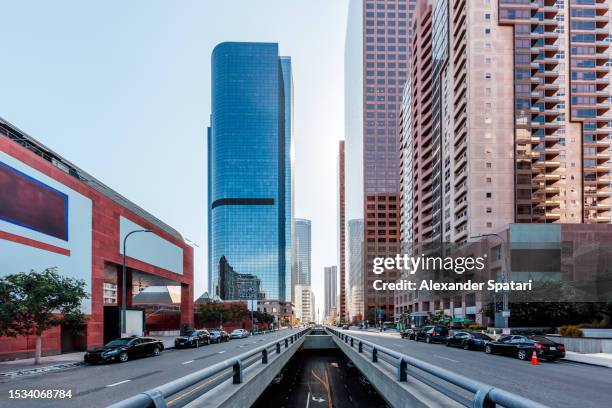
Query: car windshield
point(118, 343)
point(191, 333)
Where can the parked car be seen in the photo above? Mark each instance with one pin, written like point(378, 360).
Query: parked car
point(468, 340)
point(432, 334)
point(218, 335)
point(239, 334)
point(408, 334)
point(123, 349)
point(193, 338)
point(346, 327)
point(522, 347)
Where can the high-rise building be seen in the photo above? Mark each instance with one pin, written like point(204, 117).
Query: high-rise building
point(250, 172)
point(505, 119)
point(305, 304)
point(330, 282)
point(342, 283)
point(384, 28)
point(303, 251)
point(354, 256)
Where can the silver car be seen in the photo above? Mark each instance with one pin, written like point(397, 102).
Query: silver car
point(239, 334)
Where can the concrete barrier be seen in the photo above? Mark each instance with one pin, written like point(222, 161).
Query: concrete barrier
point(584, 345)
point(256, 378)
point(411, 393)
point(319, 342)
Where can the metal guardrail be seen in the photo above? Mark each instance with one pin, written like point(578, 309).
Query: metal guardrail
point(485, 396)
point(218, 373)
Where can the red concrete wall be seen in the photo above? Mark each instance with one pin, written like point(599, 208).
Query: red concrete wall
point(105, 238)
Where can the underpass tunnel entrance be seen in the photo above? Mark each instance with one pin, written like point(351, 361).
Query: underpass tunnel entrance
point(320, 375)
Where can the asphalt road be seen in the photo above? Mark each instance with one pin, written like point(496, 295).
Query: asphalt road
point(313, 379)
point(101, 385)
point(559, 384)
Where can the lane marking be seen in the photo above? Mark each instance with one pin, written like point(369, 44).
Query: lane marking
point(118, 383)
point(188, 362)
point(221, 352)
point(446, 358)
point(308, 400)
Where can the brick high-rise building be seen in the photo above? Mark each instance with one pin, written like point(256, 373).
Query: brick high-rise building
point(385, 44)
point(342, 300)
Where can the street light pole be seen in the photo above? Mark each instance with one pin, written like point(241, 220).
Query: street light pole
point(124, 279)
point(505, 271)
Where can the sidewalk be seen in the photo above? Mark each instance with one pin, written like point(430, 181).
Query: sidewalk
point(599, 359)
point(26, 366)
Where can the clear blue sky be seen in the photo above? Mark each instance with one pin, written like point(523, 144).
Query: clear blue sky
point(122, 89)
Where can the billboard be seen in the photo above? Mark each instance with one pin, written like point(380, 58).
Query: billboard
point(31, 204)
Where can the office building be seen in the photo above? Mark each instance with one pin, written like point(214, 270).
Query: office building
point(379, 37)
point(250, 172)
point(303, 251)
point(354, 256)
point(342, 284)
point(330, 282)
point(305, 304)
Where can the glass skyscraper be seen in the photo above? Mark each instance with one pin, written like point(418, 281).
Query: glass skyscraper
point(250, 170)
point(302, 251)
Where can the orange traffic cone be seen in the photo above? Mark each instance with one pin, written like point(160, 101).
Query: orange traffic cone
point(534, 358)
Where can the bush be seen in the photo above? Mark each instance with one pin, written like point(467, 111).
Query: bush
point(570, 331)
point(595, 324)
point(476, 327)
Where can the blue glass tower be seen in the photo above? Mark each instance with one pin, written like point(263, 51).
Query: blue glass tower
point(250, 170)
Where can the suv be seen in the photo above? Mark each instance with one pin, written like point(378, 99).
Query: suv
point(432, 334)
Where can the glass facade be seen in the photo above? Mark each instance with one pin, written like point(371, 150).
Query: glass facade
point(250, 176)
point(302, 251)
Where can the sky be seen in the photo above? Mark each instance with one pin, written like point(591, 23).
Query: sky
point(122, 90)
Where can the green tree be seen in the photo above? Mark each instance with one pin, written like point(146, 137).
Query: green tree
point(32, 303)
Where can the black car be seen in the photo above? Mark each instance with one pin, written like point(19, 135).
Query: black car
point(125, 348)
point(408, 334)
point(192, 338)
point(218, 335)
point(432, 334)
point(522, 347)
point(468, 341)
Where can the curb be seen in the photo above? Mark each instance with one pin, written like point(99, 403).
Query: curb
point(585, 363)
point(40, 370)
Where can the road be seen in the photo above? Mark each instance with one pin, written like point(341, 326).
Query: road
point(313, 379)
point(101, 385)
point(559, 384)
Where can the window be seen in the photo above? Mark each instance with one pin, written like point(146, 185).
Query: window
point(489, 195)
point(487, 75)
point(487, 16)
point(489, 210)
point(488, 164)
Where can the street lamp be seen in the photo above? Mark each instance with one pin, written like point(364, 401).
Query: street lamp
point(505, 269)
point(124, 279)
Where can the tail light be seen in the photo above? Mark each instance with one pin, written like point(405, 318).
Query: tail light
point(561, 347)
point(433, 333)
point(539, 346)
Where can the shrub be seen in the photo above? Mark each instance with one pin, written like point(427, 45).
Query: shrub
point(570, 331)
point(476, 327)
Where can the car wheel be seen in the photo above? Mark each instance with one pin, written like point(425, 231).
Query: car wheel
point(156, 351)
point(123, 357)
point(428, 340)
point(522, 354)
point(488, 349)
point(466, 345)
point(208, 342)
point(448, 344)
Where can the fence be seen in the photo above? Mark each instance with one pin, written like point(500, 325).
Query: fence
point(216, 374)
point(485, 396)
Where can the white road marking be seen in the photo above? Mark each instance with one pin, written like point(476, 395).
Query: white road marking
point(308, 400)
point(118, 383)
point(221, 352)
point(188, 362)
point(446, 358)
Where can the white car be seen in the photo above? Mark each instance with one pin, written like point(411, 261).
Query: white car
point(239, 334)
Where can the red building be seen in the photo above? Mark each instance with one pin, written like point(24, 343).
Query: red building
point(53, 214)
